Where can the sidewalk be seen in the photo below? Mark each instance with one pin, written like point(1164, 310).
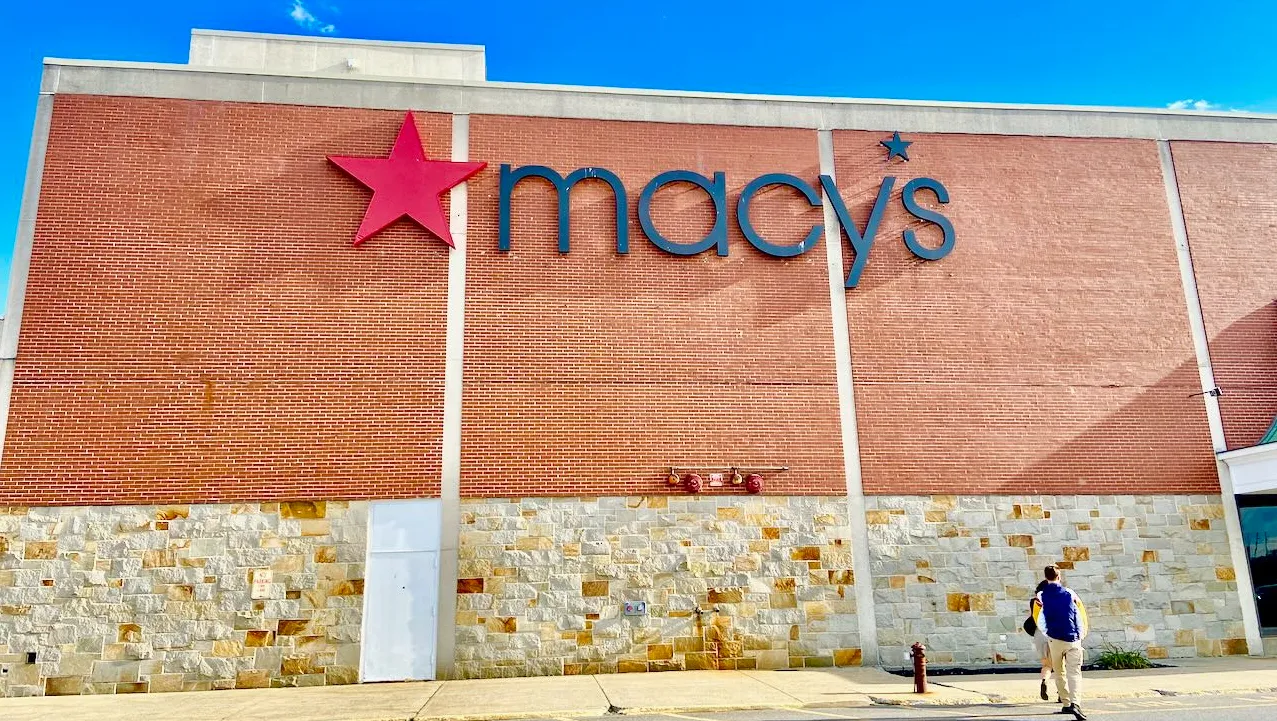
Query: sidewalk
point(567, 696)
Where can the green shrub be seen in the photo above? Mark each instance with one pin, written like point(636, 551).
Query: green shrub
point(1115, 658)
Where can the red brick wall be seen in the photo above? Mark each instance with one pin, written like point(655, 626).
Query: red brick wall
point(198, 327)
point(1050, 351)
point(591, 373)
point(1229, 193)
point(197, 324)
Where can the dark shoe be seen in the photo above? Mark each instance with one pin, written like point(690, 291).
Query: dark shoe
point(1077, 713)
point(1066, 709)
point(1044, 696)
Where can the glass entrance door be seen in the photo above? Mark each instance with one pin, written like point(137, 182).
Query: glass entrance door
point(1259, 533)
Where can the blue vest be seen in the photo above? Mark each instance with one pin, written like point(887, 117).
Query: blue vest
point(1060, 613)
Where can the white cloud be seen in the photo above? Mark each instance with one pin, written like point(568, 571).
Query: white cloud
point(305, 19)
point(1191, 104)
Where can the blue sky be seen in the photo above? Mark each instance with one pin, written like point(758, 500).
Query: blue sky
point(1148, 53)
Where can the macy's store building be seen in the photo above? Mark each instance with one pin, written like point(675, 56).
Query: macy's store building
point(300, 387)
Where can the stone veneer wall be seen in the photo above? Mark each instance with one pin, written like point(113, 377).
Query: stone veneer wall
point(127, 599)
point(956, 572)
point(543, 582)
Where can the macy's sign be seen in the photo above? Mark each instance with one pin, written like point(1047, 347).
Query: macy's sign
point(408, 184)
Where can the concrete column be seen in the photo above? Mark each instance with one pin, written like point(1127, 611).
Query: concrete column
point(1201, 347)
point(865, 613)
point(22, 256)
point(450, 486)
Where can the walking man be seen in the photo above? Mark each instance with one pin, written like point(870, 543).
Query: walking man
point(1064, 618)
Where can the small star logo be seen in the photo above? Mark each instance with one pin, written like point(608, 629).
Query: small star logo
point(406, 183)
point(896, 146)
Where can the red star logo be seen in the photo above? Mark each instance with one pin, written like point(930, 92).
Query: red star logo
point(406, 183)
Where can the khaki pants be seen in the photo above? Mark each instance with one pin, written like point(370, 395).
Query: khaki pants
point(1066, 662)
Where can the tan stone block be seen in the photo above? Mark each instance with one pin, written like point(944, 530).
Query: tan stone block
point(40, 550)
point(1213, 511)
point(689, 644)
point(1233, 647)
point(340, 675)
point(1148, 557)
point(847, 657)
point(731, 649)
point(896, 581)
point(259, 639)
point(982, 602)
point(166, 682)
point(571, 549)
point(877, 518)
point(354, 587)
point(316, 527)
point(326, 554)
point(1155, 652)
point(958, 602)
point(582, 638)
point(1199, 524)
point(700, 662)
point(172, 513)
point(534, 543)
point(1207, 647)
point(1123, 606)
point(794, 633)
point(818, 661)
point(935, 517)
point(726, 595)
point(729, 513)
point(945, 502)
point(747, 563)
point(292, 626)
point(805, 553)
point(771, 533)
point(816, 610)
point(298, 666)
point(303, 509)
point(288, 564)
point(770, 659)
point(114, 652)
point(660, 652)
point(64, 686)
point(135, 687)
point(783, 600)
point(469, 585)
point(130, 633)
point(508, 624)
point(1185, 637)
point(1020, 540)
point(1225, 573)
point(505, 572)
point(1077, 553)
point(4, 544)
point(15, 610)
point(922, 564)
point(467, 618)
point(252, 678)
point(594, 589)
point(631, 666)
point(180, 592)
point(841, 577)
point(227, 648)
point(1064, 565)
point(759, 546)
point(784, 585)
